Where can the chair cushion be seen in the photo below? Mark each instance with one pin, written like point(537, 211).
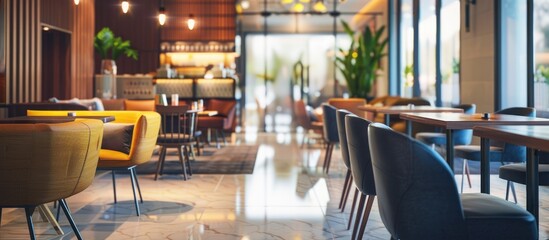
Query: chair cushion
point(432, 138)
point(117, 137)
point(517, 173)
point(472, 152)
point(111, 155)
point(139, 105)
point(490, 217)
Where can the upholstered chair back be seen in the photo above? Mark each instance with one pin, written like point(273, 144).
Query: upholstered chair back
point(330, 123)
point(41, 163)
point(464, 136)
point(359, 153)
point(342, 133)
point(417, 193)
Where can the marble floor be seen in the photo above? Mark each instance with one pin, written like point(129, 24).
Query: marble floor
point(287, 197)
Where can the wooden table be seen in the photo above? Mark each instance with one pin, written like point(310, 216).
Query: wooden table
point(456, 121)
point(395, 110)
point(535, 138)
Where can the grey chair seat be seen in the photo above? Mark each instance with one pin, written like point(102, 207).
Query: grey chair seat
point(473, 152)
point(490, 217)
point(517, 173)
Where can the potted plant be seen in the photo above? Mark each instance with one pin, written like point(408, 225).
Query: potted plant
point(360, 63)
point(110, 48)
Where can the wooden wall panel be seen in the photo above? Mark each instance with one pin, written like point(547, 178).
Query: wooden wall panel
point(22, 50)
point(58, 13)
point(82, 63)
point(139, 25)
point(215, 20)
point(23, 46)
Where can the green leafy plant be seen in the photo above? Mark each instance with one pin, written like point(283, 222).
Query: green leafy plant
point(543, 73)
point(360, 62)
point(111, 47)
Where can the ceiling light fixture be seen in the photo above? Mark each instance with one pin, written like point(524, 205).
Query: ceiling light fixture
point(191, 22)
point(245, 4)
point(125, 6)
point(76, 2)
point(46, 28)
point(298, 7)
point(161, 16)
point(319, 6)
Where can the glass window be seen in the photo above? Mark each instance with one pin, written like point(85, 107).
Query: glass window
point(427, 49)
point(513, 53)
point(449, 62)
point(541, 49)
point(407, 48)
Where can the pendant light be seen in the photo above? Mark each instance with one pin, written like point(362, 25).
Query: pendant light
point(125, 6)
point(191, 22)
point(319, 6)
point(161, 16)
point(76, 2)
point(298, 7)
point(245, 4)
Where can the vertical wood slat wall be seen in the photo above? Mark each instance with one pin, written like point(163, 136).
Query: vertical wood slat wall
point(82, 61)
point(23, 48)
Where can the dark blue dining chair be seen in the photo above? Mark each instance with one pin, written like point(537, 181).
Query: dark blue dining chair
point(418, 197)
point(517, 173)
point(361, 168)
point(331, 136)
point(503, 153)
point(341, 113)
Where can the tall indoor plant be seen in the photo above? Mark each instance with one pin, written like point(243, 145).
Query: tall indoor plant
point(360, 63)
point(110, 48)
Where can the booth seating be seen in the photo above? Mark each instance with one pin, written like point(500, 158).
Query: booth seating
point(132, 138)
point(223, 122)
point(42, 163)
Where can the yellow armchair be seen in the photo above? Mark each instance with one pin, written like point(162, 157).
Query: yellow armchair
point(41, 163)
point(145, 133)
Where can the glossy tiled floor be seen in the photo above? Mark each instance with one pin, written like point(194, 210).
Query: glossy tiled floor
point(287, 197)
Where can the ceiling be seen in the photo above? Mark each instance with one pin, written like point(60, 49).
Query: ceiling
point(283, 20)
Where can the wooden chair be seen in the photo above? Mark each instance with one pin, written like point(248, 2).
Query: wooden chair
point(176, 131)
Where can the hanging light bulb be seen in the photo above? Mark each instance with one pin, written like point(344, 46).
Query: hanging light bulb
point(76, 2)
point(245, 4)
point(125, 6)
point(298, 7)
point(191, 22)
point(161, 16)
point(319, 6)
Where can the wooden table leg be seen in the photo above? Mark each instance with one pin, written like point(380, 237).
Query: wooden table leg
point(49, 216)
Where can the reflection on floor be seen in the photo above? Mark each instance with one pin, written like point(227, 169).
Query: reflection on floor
point(287, 197)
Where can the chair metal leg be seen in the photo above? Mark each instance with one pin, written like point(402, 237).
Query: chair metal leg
point(224, 139)
point(160, 162)
point(132, 176)
point(366, 215)
point(513, 190)
point(347, 176)
point(352, 209)
point(463, 174)
point(57, 214)
point(347, 194)
point(137, 184)
point(358, 219)
point(217, 145)
point(197, 147)
point(68, 214)
point(43, 209)
point(468, 175)
point(165, 149)
point(187, 159)
point(28, 215)
point(183, 165)
point(114, 185)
